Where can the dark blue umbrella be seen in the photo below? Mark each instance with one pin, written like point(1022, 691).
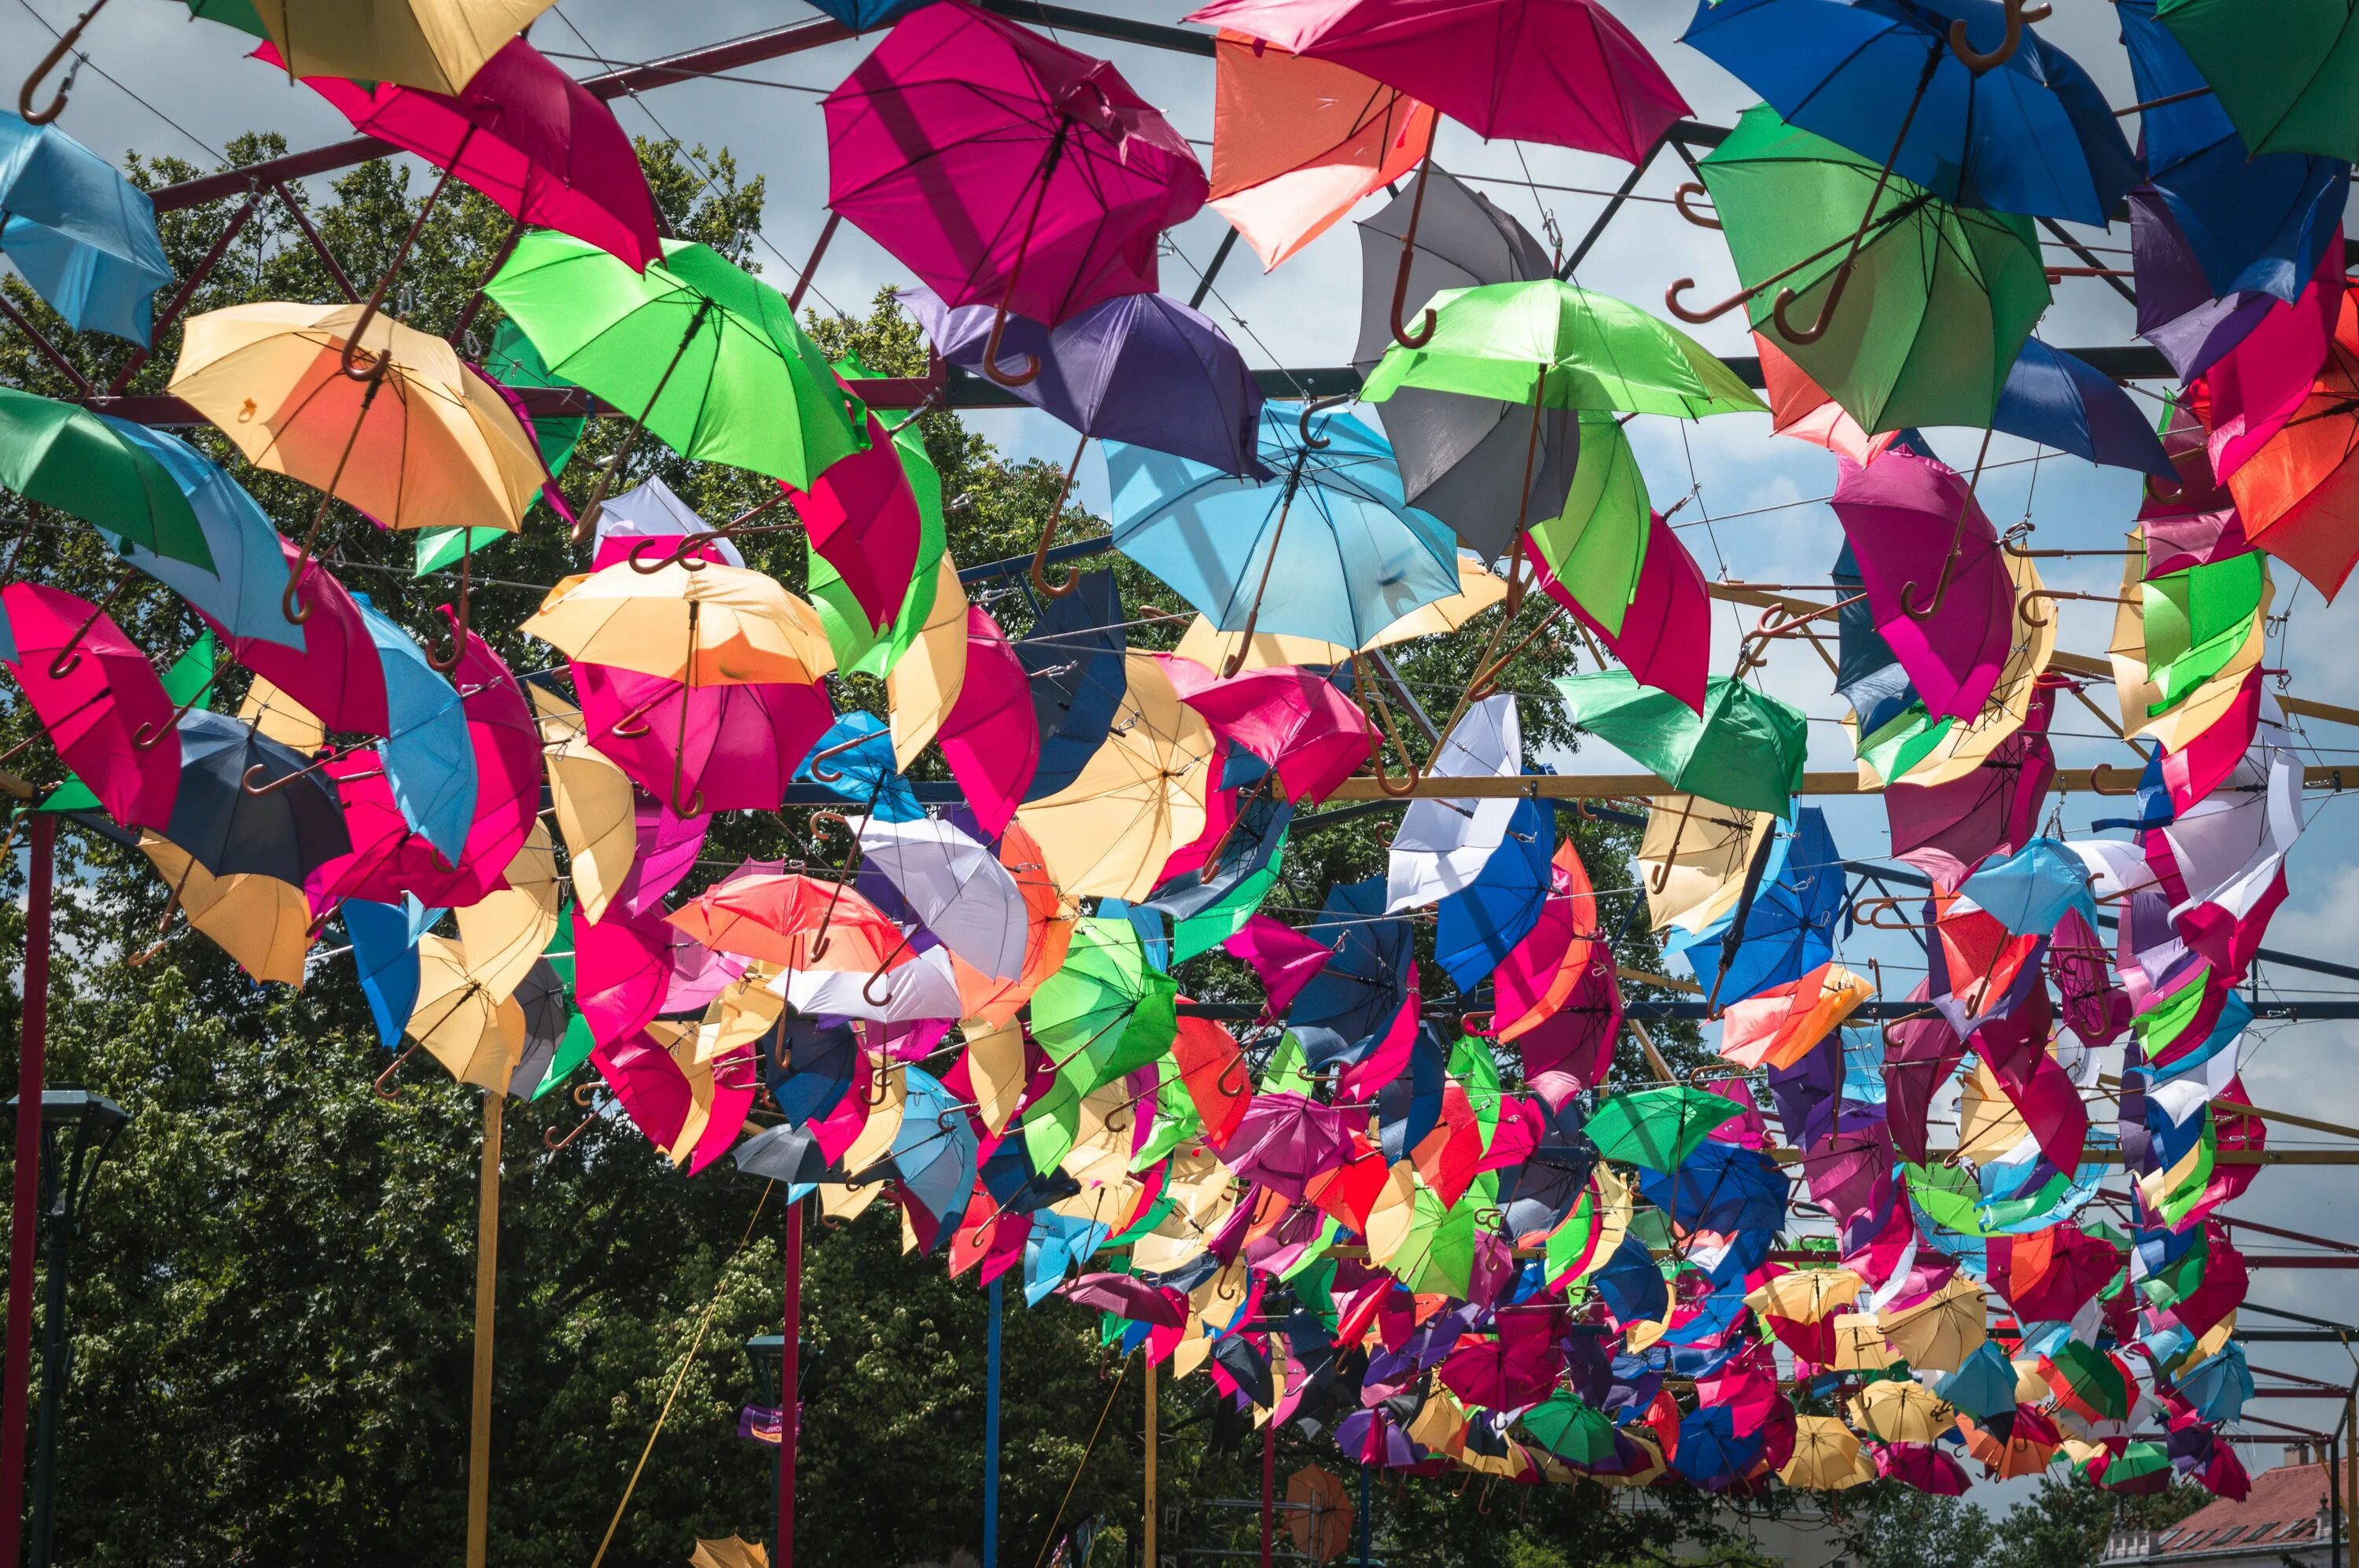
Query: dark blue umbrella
point(2061, 400)
point(1711, 1452)
point(2031, 134)
point(1075, 657)
point(861, 15)
point(1347, 1006)
point(1868, 674)
point(248, 804)
point(1475, 926)
point(817, 1070)
point(1632, 1285)
point(1721, 1187)
point(784, 1153)
point(1787, 926)
point(1410, 1105)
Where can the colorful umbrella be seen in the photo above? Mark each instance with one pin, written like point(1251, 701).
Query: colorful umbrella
point(712, 627)
point(248, 805)
point(1897, 1409)
point(736, 746)
point(1744, 749)
point(98, 698)
point(1935, 579)
point(1826, 1456)
point(239, 591)
point(1658, 1129)
point(263, 923)
point(1137, 798)
point(67, 457)
point(793, 922)
point(82, 235)
point(2282, 84)
point(1351, 1001)
point(2061, 400)
point(958, 889)
point(1106, 1011)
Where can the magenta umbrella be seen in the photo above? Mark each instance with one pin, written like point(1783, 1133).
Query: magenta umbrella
point(1944, 830)
point(861, 516)
point(1936, 582)
point(1282, 958)
point(337, 674)
point(622, 966)
point(1919, 1055)
point(991, 739)
point(98, 698)
point(524, 134)
point(1512, 1368)
point(1290, 718)
point(1285, 1138)
point(1665, 636)
point(738, 743)
point(1127, 1296)
point(1005, 169)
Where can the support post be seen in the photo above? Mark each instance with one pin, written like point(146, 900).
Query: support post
point(990, 1433)
point(53, 1375)
point(2333, 1500)
point(791, 1404)
point(1268, 1484)
point(2351, 1480)
point(487, 1277)
point(1149, 1530)
point(15, 1371)
point(1363, 1520)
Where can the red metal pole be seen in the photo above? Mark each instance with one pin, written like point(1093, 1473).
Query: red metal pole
point(1268, 1484)
point(789, 1374)
point(16, 1372)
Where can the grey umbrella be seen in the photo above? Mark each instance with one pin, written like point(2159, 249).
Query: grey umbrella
point(1460, 458)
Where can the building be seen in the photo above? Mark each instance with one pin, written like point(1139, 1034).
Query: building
point(2284, 1521)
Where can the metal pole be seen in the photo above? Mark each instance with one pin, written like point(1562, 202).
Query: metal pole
point(15, 1371)
point(2333, 1500)
point(991, 1435)
point(1269, 1483)
point(2351, 1486)
point(54, 1369)
point(487, 1277)
point(790, 1404)
point(1363, 1514)
point(1149, 1530)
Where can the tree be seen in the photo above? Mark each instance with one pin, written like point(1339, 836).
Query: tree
point(1887, 1525)
point(2066, 1525)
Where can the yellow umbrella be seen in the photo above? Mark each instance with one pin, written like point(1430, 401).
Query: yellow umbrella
point(435, 44)
point(594, 802)
point(281, 717)
point(923, 685)
point(479, 1038)
point(1645, 1475)
point(1939, 1332)
point(888, 1102)
point(1859, 1344)
point(1805, 1295)
point(1694, 853)
point(1989, 1127)
point(995, 1066)
point(1827, 1456)
point(505, 932)
point(1393, 1213)
point(1899, 1410)
point(1137, 799)
point(716, 625)
point(1478, 589)
point(262, 922)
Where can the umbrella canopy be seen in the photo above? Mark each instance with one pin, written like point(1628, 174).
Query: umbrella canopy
point(1779, 934)
point(67, 457)
point(715, 626)
point(2299, 491)
point(263, 923)
point(2032, 133)
point(708, 357)
point(1297, 721)
point(478, 1038)
point(1948, 294)
point(2027, 1448)
point(933, 1150)
point(795, 923)
point(1004, 169)
point(1137, 798)
point(1351, 1001)
point(437, 45)
point(1125, 1296)
point(1745, 749)
point(1460, 239)
point(1658, 1129)
point(2061, 400)
point(989, 737)
point(98, 697)
point(249, 805)
point(1938, 1334)
point(1826, 1456)
point(957, 888)
point(1563, 71)
point(1476, 925)
point(1106, 1011)
point(1935, 580)
point(239, 591)
point(82, 235)
point(1899, 1410)
point(2282, 82)
point(1327, 548)
point(1284, 1139)
point(2032, 890)
point(735, 745)
point(542, 147)
point(1572, 1430)
point(1664, 638)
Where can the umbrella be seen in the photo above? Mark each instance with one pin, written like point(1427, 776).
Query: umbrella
point(1897, 1409)
point(793, 922)
point(1745, 749)
point(82, 235)
point(1779, 1027)
point(2009, 122)
point(239, 591)
point(1002, 168)
point(2295, 492)
point(1826, 1456)
point(2219, 1385)
point(249, 805)
point(650, 510)
point(862, 517)
point(1781, 925)
point(1441, 845)
point(1571, 1429)
point(1935, 580)
point(1075, 664)
point(735, 746)
point(477, 1037)
point(704, 356)
point(933, 1150)
point(543, 147)
point(957, 888)
point(1658, 1129)
point(2032, 890)
point(1948, 293)
point(1477, 924)
point(429, 755)
point(1711, 1452)
point(1299, 722)
point(1922, 1467)
point(1125, 1296)
point(988, 737)
point(1351, 1001)
point(436, 45)
point(1138, 795)
point(1721, 1187)
point(2027, 1448)
point(1357, 559)
point(1106, 1011)
point(1296, 141)
point(1048, 919)
point(716, 625)
point(98, 698)
point(1983, 1384)
point(69, 458)
point(1938, 1334)
point(2061, 400)
point(2280, 84)
point(263, 923)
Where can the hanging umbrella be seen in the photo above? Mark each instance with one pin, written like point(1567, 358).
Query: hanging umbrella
point(1107, 1010)
point(2281, 84)
point(1138, 795)
point(69, 458)
point(261, 922)
point(1938, 1334)
point(436, 45)
point(2061, 400)
point(2219, 1385)
point(957, 888)
point(988, 737)
point(239, 591)
point(82, 235)
point(1935, 579)
point(478, 1038)
point(1826, 1456)
point(1658, 1129)
point(2033, 888)
point(1572, 1430)
point(1476, 925)
point(1284, 1139)
point(1075, 665)
point(1711, 1452)
point(1779, 1027)
point(427, 758)
point(1948, 294)
point(793, 922)
point(1782, 924)
point(98, 698)
point(1983, 1384)
point(1048, 919)
point(1004, 169)
point(1357, 559)
point(1745, 749)
point(247, 804)
point(2295, 492)
point(714, 626)
point(2027, 1448)
point(741, 741)
point(1125, 1296)
point(1897, 1409)
point(1297, 722)
point(1441, 845)
point(1922, 1467)
point(543, 147)
point(933, 1150)
point(862, 517)
point(1982, 119)
point(1351, 1001)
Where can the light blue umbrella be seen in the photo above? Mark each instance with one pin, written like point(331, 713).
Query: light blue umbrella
point(241, 593)
point(854, 759)
point(430, 759)
point(1326, 547)
point(84, 236)
point(2219, 1385)
point(1052, 1246)
point(933, 1149)
point(385, 951)
point(1789, 923)
point(1983, 1384)
point(2028, 891)
point(1475, 926)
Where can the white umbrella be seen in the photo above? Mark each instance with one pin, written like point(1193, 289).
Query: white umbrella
point(921, 988)
point(2231, 845)
point(957, 887)
point(1443, 845)
point(652, 511)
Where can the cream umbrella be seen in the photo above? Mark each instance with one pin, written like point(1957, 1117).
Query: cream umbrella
point(1139, 797)
point(1826, 1457)
point(264, 924)
point(1899, 1409)
point(1939, 1332)
point(595, 811)
point(714, 626)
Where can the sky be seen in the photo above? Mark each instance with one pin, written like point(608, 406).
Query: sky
point(1755, 510)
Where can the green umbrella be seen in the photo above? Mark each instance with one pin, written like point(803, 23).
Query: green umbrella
point(1658, 1129)
point(1437, 1256)
point(1562, 347)
point(1745, 749)
point(708, 357)
point(513, 362)
point(2136, 1462)
point(859, 648)
point(2197, 620)
point(1597, 546)
point(1575, 1431)
point(1107, 1010)
point(2085, 1374)
point(1942, 297)
point(1223, 919)
point(67, 457)
point(1176, 1117)
point(2283, 73)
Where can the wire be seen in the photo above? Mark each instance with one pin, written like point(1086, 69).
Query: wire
point(1076, 1481)
point(82, 57)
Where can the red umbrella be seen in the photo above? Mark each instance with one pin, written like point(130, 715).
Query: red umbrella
point(98, 698)
point(861, 516)
point(796, 922)
point(1005, 169)
point(736, 745)
point(1215, 1071)
point(1289, 717)
point(524, 134)
point(2050, 1274)
point(1665, 636)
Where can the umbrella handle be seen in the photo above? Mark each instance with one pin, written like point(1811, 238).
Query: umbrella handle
point(147, 737)
point(1424, 333)
point(551, 1142)
point(1950, 561)
point(1680, 200)
point(833, 775)
point(2022, 605)
point(1073, 579)
point(69, 656)
point(684, 555)
point(446, 663)
point(1483, 1023)
point(1973, 60)
point(164, 925)
point(1384, 732)
point(383, 1093)
point(2102, 771)
point(247, 784)
point(1318, 405)
point(49, 62)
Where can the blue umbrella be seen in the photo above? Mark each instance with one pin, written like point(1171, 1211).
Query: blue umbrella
point(2218, 1385)
point(1075, 657)
point(861, 15)
point(84, 236)
point(430, 759)
point(1722, 1187)
point(820, 1062)
point(241, 593)
point(1711, 1452)
point(1631, 1283)
point(933, 1149)
point(2030, 891)
point(1327, 548)
point(784, 1153)
point(1347, 1006)
point(853, 761)
point(2031, 134)
point(2061, 400)
point(1053, 1246)
point(1410, 1105)
point(1475, 926)
point(1788, 925)
point(385, 951)
point(1983, 1384)
point(2256, 225)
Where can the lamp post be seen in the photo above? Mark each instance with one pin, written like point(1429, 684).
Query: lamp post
point(766, 1358)
point(77, 1129)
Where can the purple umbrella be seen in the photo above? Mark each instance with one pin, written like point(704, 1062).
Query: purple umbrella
point(1919, 1055)
point(1936, 582)
point(2176, 310)
point(1285, 1138)
point(1945, 830)
point(1126, 1296)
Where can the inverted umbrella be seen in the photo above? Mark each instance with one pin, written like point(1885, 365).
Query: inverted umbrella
point(2297, 492)
point(1297, 722)
point(1934, 576)
point(1106, 1011)
point(958, 889)
point(793, 922)
point(64, 456)
point(1941, 1332)
point(1284, 1139)
point(1125, 1296)
point(1826, 1456)
point(1782, 923)
point(1139, 795)
point(98, 698)
point(1745, 749)
point(1658, 1129)
point(263, 923)
point(1350, 1002)
point(1442, 845)
point(2284, 83)
point(478, 1038)
point(735, 746)
point(81, 234)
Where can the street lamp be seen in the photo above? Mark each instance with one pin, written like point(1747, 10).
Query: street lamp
point(77, 1129)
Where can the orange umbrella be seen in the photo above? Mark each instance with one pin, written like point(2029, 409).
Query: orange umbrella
point(795, 921)
point(2028, 1448)
point(2299, 495)
point(1781, 1025)
point(1047, 931)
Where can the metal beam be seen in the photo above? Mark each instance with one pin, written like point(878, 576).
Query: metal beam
point(1610, 785)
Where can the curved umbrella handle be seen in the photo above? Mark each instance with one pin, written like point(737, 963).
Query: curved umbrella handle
point(247, 784)
point(457, 619)
point(1316, 406)
point(347, 361)
point(1383, 732)
point(993, 368)
point(1424, 333)
point(1973, 60)
point(49, 62)
point(379, 1087)
point(1680, 200)
point(68, 657)
point(147, 737)
point(1816, 329)
point(2103, 771)
point(834, 775)
point(1073, 579)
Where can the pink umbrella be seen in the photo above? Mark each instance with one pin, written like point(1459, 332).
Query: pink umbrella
point(1127, 1296)
point(669, 846)
point(1935, 580)
point(337, 674)
point(1514, 1368)
point(1285, 1138)
point(2256, 388)
point(1563, 71)
point(1919, 1055)
point(1922, 1466)
point(991, 739)
point(2014, 1048)
point(621, 969)
point(1539, 973)
point(1665, 637)
point(655, 1094)
point(1289, 717)
point(736, 1079)
point(1572, 1048)
point(739, 746)
point(536, 142)
point(1283, 958)
point(1944, 830)
point(98, 697)
point(2050, 1274)
point(861, 516)
point(1005, 169)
